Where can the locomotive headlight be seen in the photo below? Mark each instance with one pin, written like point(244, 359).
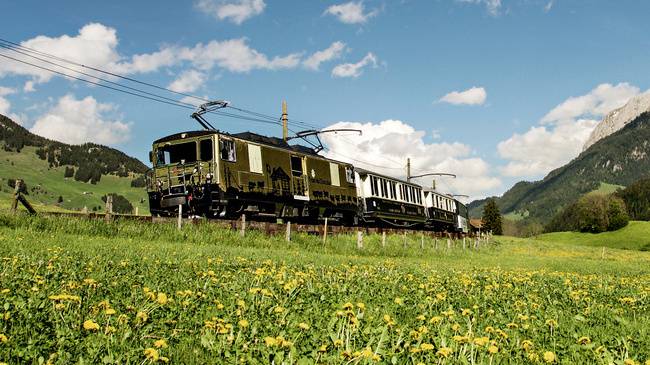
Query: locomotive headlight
point(208, 177)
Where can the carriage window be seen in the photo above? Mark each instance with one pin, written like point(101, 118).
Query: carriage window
point(401, 192)
point(384, 188)
point(393, 190)
point(227, 150)
point(296, 166)
point(177, 153)
point(349, 174)
point(206, 150)
point(375, 188)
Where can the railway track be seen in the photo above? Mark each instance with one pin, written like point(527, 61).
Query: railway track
point(269, 228)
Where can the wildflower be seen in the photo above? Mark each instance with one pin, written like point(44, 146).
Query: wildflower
point(512, 325)
point(303, 326)
point(435, 319)
point(421, 317)
point(584, 340)
point(90, 325)
point(243, 323)
point(526, 345)
point(533, 357)
point(551, 323)
point(338, 342)
point(3, 338)
point(493, 349)
point(163, 359)
point(142, 316)
point(109, 311)
point(629, 362)
point(389, 321)
point(549, 357)
point(322, 348)
point(361, 306)
point(466, 312)
point(162, 298)
point(426, 347)
point(160, 344)
point(151, 354)
point(481, 341)
point(270, 341)
point(399, 301)
point(444, 351)
point(348, 306)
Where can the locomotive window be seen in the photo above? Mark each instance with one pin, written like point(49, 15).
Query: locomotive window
point(176, 153)
point(206, 150)
point(296, 166)
point(227, 150)
point(349, 174)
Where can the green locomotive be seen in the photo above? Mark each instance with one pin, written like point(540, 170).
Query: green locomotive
point(215, 174)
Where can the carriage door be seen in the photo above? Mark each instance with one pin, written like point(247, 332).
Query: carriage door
point(299, 178)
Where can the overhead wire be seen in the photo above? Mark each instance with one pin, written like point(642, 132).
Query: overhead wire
point(257, 117)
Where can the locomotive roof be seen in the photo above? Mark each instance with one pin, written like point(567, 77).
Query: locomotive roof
point(248, 136)
point(366, 172)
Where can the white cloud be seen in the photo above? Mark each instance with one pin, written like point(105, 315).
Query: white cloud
point(237, 11)
point(598, 102)
point(389, 143)
point(354, 69)
point(5, 105)
point(334, 51)
point(548, 6)
point(562, 132)
point(188, 81)
point(79, 121)
point(351, 12)
point(472, 96)
point(493, 6)
point(236, 56)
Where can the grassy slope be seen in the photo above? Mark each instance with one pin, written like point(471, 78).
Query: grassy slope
point(633, 237)
point(605, 189)
point(34, 171)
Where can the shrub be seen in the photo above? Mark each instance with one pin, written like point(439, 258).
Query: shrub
point(591, 213)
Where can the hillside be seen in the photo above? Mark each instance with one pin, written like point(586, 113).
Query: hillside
point(79, 174)
point(632, 237)
point(618, 159)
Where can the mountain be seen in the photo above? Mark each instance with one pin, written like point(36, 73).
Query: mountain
point(618, 118)
point(66, 176)
point(620, 159)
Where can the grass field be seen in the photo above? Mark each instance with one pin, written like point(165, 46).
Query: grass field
point(78, 291)
point(635, 236)
point(51, 184)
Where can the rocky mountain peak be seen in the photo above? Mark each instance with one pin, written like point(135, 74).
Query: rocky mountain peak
point(619, 118)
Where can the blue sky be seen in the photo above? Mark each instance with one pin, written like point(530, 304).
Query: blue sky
point(494, 91)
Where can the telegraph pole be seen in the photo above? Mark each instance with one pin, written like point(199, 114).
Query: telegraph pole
point(409, 176)
point(285, 121)
point(408, 169)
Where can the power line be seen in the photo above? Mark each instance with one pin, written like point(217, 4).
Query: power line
point(16, 45)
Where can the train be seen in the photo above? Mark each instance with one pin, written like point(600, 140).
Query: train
point(215, 174)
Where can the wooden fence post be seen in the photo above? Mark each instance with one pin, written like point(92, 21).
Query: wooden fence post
point(287, 236)
point(180, 216)
point(14, 202)
point(359, 240)
point(242, 231)
point(325, 232)
point(422, 241)
point(404, 239)
point(136, 211)
point(109, 207)
point(463, 243)
point(383, 238)
point(448, 242)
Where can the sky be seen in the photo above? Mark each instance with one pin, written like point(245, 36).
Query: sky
point(494, 91)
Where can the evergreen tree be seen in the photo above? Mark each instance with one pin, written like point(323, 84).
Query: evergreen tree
point(492, 220)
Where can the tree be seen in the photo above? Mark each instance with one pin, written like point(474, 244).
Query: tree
point(120, 204)
point(592, 213)
point(492, 220)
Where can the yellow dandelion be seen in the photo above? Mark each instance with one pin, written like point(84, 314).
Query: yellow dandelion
point(322, 348)
point(549, 357)
point(399, 301)
point(142, 316)
point(444, 351)
point(243, 323)
point(90, 325)
point(493, 349)
point(161, 298)
point(161, 344)
point(151, 354)
point(526, 345)
point(109, 311)
point(361, 306)
point(163, 359)
point(426, 347)
point(338, 342)
point(3, 338)
point(270, 341)
point(629, 362)
point(303, 326)
point(481, 341)
point(584, 340)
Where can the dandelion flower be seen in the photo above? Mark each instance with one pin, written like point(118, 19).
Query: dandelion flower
point(549, 357)
point(493, 349)
point(109, 311)
point(90, 325)
point(426, 347)
point(584, 340)
point(303, 326)
point(3, 338)
point(399, 301)
point(243, 323)
point(444, 351)
point(151, 354)
point(161, 344)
